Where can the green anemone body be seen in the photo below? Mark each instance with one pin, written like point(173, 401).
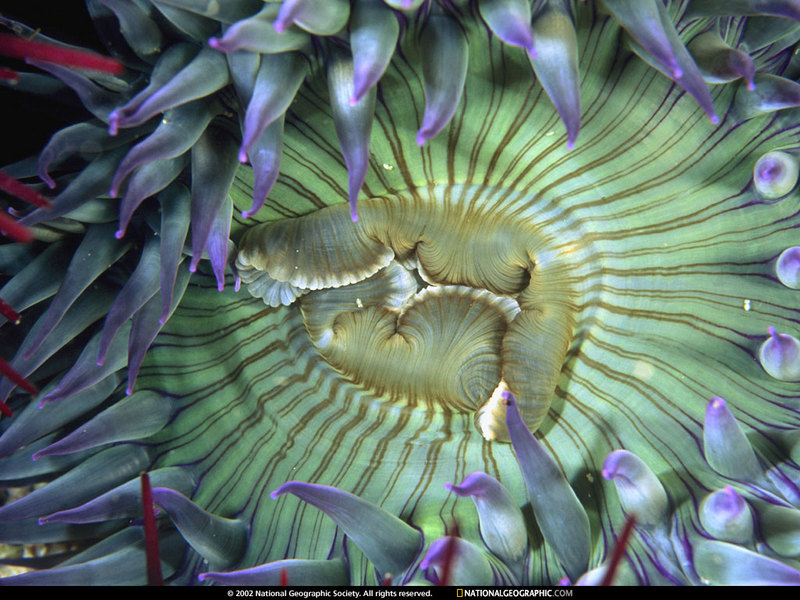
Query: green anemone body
point(666, 255)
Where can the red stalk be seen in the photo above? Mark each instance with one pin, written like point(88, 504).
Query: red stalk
point(17, 47)
point(8, 371)
point(8, 312)
point(154, 576)
point(22, 191)
point(9, 227)
point(619, 551)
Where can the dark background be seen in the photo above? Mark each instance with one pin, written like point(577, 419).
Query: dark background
point(29, 120)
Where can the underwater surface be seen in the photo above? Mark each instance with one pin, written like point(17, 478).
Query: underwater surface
point(405, 291)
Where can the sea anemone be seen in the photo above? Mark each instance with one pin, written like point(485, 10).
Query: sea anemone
point(458, 223)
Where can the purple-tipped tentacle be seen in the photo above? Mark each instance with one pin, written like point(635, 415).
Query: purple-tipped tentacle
point(140, 287)
point(146, 325)
point(642, 20)
point(265, 158)
point(780, 356)
point(720, 63)
point(690, 78)
point(169, 64)
point(320, 17)
point(787, 268)
point(85, 372)
point(87, 139)
point(214, 165)
point(133, 418)
point(90, 183)
point(179, 130)
point(501, 522)
point(353, 124)
point(510, 20)
point(444, 70)
point(775, 175)
point(772, 93)
point(94, 476)
point(556, 65)
point(560, 515)
point(32, 423)
point(278, 79)
point(385, 540)
point(204, 75)
point(640, 491)
point(124, 501)
point(146, 181)
point(257, 34)
point(373, 36)
point(96, 252)
point(175, 215)
point(727, 449)
point(219, 540)
point(726, 515)
point(219, 245)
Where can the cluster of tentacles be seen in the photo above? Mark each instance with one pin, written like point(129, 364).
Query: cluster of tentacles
point(652, 151)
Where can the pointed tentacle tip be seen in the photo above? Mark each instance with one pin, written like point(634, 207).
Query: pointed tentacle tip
point(507, 397)
point(113, 122)
point(280, 491)
point(49, 181)
point(474, 484)
point(715, 404)
point(361, 85)
point(281, 24)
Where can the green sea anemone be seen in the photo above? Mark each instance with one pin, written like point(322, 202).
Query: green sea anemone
point(458, 222)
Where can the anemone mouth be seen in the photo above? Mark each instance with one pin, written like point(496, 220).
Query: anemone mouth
point(452, 342)
point(628, 255)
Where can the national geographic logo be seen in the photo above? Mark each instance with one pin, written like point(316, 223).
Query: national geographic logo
point(514, 593)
